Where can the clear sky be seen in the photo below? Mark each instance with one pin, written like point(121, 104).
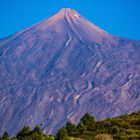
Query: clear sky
point(119, 17)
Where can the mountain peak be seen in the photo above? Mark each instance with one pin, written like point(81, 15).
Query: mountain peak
point(69, 20)
point(66, 9)
point(70, 11)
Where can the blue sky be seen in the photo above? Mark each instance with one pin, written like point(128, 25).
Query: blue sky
point(119, 17)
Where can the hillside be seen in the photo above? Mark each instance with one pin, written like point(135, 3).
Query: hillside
point(123, 127)
point(126, 127)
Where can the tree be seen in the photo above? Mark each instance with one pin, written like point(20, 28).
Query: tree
point(62, 134)
point(37, 134)
point(87, 119)
point(37, 130)
point(71, 129)
point(5, 136)
point(114, 130)
point(24, 132)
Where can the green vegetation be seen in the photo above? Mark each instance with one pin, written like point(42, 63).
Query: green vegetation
point(125, 127)
point(62, 134)
point(71, 129)
point(86, 120)
point(5, 136)
point(26, 134)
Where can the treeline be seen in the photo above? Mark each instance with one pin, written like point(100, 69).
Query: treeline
point(26, 134)
point(123, 127)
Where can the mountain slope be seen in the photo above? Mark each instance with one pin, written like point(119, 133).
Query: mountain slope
point(61, 68)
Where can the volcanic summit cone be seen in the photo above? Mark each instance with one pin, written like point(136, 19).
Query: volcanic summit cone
point(63, 67)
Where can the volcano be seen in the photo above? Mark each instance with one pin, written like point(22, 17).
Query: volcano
point(63, 67)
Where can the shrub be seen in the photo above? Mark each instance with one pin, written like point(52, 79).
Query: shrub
point(114, 130)
point(136, 122)
point(71, 129)
point(5, 136)
point(37, 130)
point(87, 119)
point(62, 134)
point(24, 132)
